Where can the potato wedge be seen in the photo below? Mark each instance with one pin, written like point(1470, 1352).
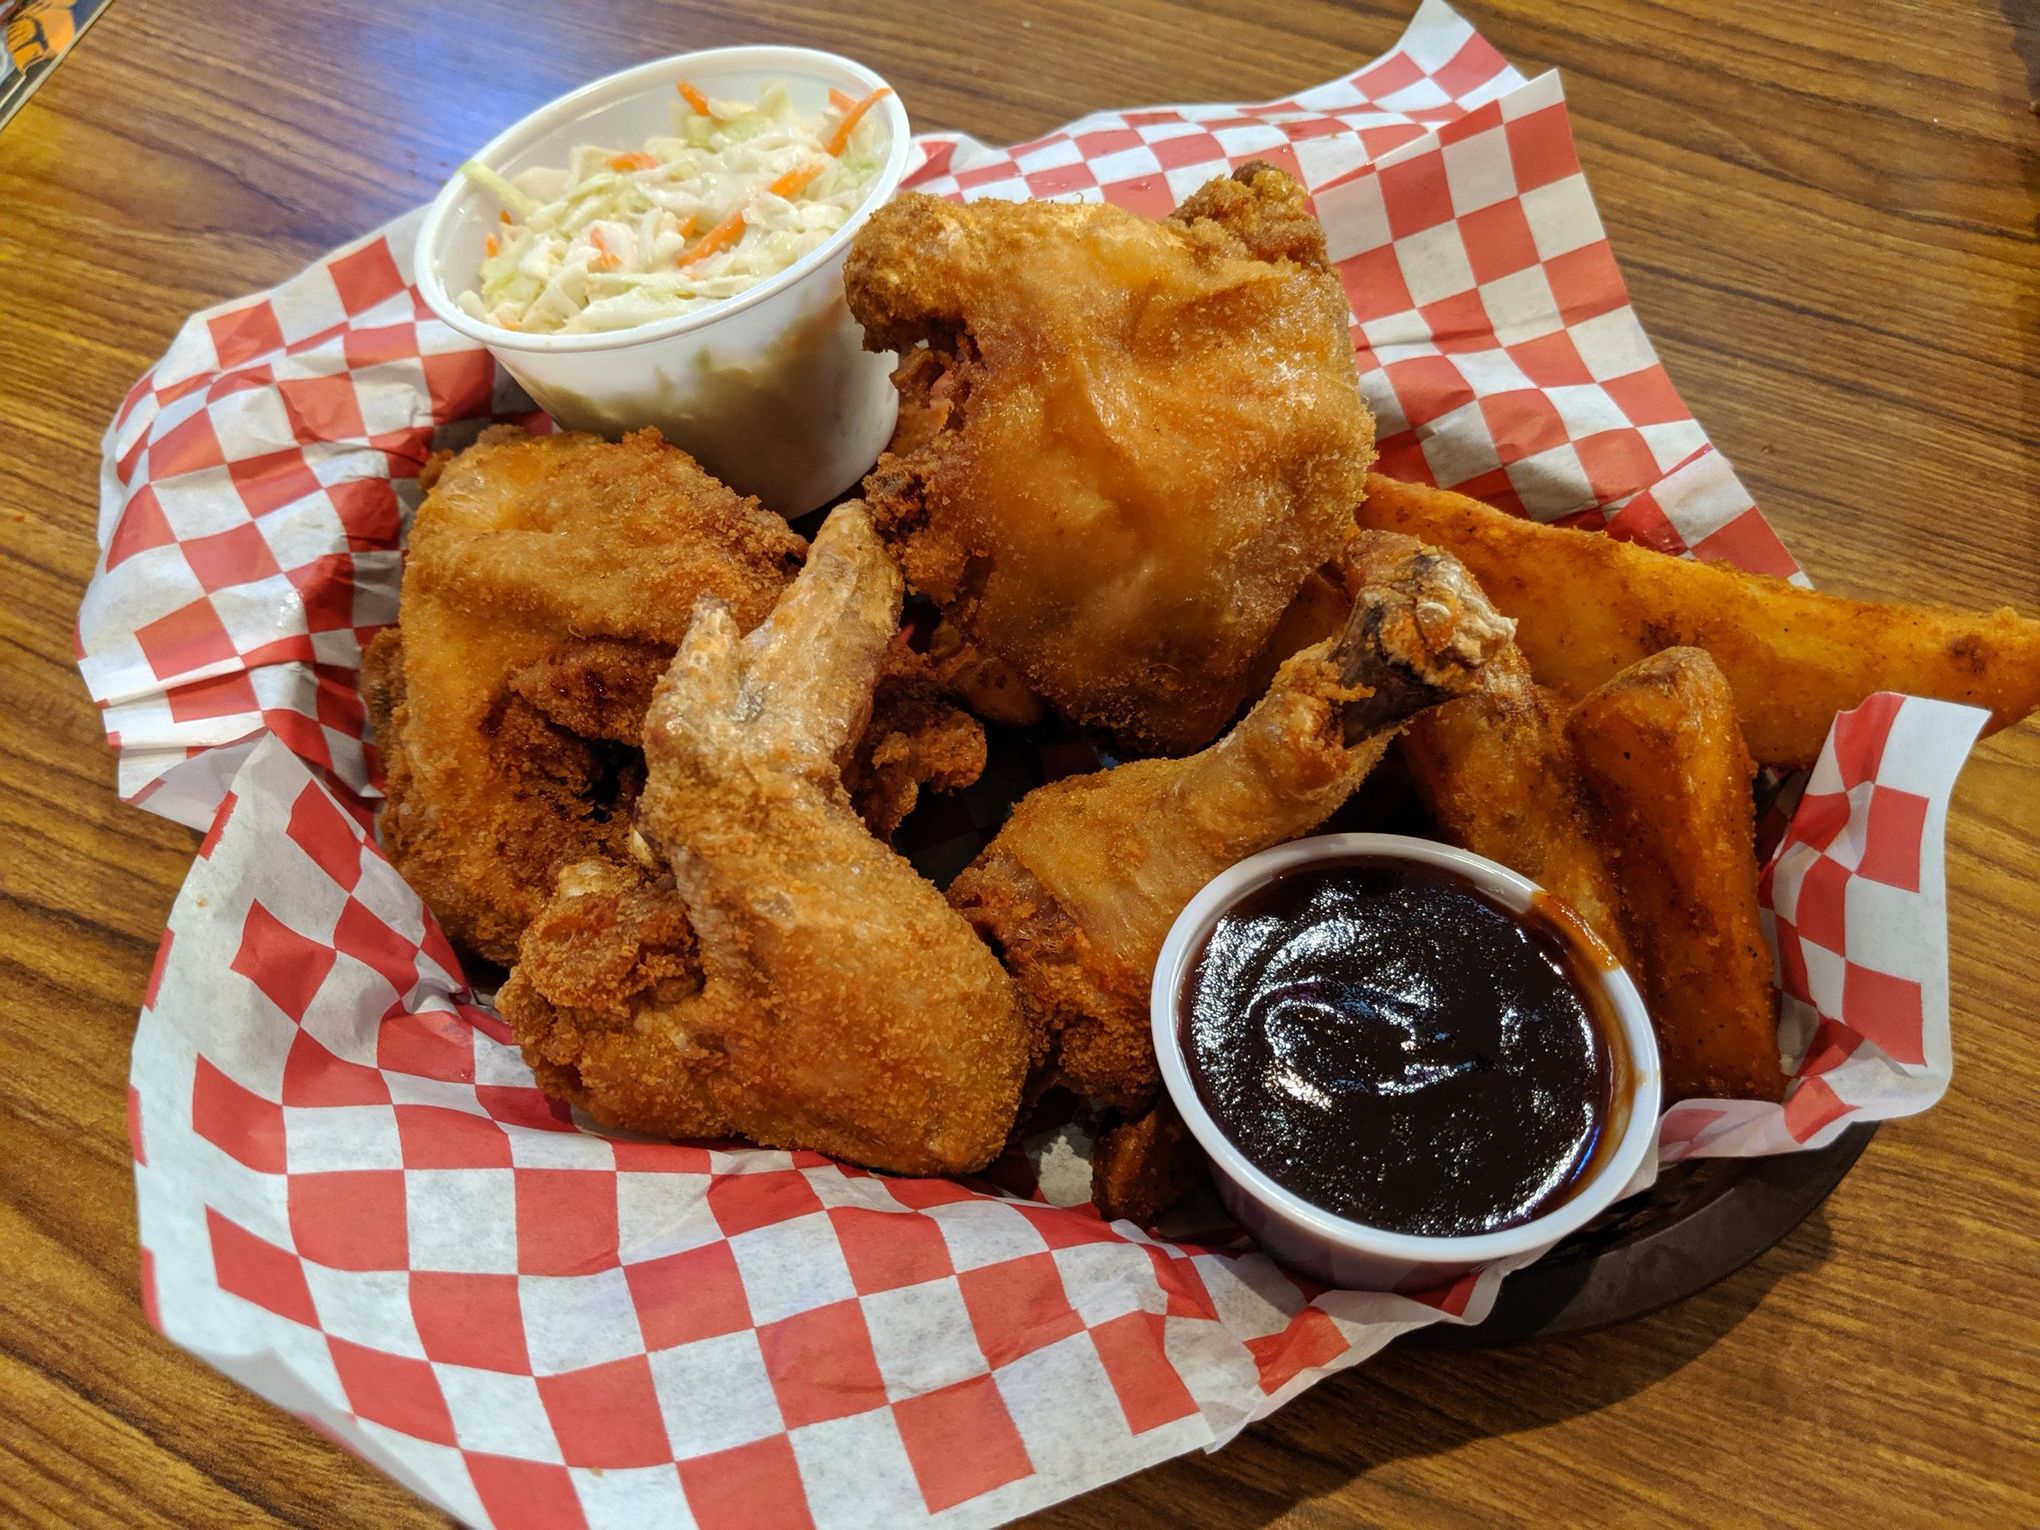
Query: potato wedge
point(1665, 761)
point(1587, 605)
point(1496, 770)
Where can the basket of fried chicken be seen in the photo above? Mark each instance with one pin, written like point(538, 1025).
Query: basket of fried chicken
point(1124, 593)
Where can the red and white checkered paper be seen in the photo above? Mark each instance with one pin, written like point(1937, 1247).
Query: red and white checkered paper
point(353, 1199)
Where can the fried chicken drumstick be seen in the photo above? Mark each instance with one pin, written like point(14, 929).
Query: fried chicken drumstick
point(1497, 771)
point(1080, 887)
point(789, 979)
point(1127, 443)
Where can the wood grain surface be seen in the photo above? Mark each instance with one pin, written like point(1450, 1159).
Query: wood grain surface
point(1826, 216)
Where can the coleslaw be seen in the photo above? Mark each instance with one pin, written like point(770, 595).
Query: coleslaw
point(736, 194)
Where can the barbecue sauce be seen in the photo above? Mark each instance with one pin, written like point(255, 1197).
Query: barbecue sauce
point(1389, 1043)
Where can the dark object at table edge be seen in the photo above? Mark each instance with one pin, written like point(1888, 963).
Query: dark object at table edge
point(1699, 1224)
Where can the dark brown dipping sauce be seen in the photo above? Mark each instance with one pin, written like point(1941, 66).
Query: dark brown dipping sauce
point(1389, 1043)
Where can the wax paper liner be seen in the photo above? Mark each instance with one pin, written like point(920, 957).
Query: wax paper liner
point(351, 1196)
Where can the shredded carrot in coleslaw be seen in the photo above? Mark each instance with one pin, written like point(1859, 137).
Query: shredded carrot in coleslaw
point(840, 139)
point(611, 240)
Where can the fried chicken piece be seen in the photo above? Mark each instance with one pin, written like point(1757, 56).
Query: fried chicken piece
point(595, 687)
point(841, 1004)
point(613, 941)
point(611, 933)
point(1588, 606)
point(916, 737)
point(548, 583)
point(1496, 770)
point(1142, 1166)
point(1128, 443)
point(552, 795)
point(545, 577)
point(988, 686)
point(1080, 887)
point(1666, 762)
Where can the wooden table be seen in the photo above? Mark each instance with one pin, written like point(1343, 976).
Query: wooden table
point(1826, 223)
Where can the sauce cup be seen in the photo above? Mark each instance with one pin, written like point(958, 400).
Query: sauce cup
point(771, 390)
point(1349, 1254)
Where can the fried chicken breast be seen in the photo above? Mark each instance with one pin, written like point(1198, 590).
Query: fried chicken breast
point(1127, 443)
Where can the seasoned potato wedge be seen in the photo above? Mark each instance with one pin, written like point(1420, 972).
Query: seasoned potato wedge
point(1587, 605)
point(1662, 755)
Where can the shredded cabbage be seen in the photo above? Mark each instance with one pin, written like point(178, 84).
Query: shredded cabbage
point(619, 238)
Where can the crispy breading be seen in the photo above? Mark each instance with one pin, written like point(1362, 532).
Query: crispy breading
point(1078, 890)
point(840, 1005)
point(595, 687)
point(1127, 443)
point(613, 940)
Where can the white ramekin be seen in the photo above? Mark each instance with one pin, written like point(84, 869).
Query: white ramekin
point(1326, 1246)
point(771, 390)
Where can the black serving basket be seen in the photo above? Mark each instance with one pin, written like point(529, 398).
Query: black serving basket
point(1699, 1223)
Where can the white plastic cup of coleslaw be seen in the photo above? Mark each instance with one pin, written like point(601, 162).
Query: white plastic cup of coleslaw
point(771, 389)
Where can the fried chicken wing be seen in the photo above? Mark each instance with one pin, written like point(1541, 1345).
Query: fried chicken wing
point(1080, 887)
point(829, 998)
point(549, 580)
point(1127, 443)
